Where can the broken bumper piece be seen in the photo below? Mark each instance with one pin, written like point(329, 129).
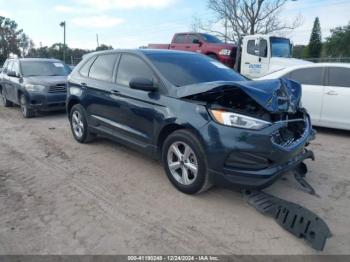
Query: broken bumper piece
point(294, 218)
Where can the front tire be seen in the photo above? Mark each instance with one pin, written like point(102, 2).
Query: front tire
point(185, 162)
point(26, 111)
point(79, 125)
point(3, 100)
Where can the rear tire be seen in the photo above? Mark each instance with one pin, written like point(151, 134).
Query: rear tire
point(26, 111)
point(3, 100)
point(185, 162)
point(79, 125)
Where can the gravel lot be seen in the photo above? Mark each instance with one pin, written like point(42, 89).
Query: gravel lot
point(60, 197)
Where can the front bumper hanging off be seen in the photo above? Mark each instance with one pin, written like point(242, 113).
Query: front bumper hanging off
point(294, 218)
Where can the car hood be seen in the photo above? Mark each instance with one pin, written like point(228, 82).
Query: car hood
point(276, 96)
point(45, 80)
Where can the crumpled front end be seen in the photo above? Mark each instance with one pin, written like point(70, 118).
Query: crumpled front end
point(253, 157)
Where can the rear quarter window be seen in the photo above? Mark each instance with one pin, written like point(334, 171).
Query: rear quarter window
point(84, 71)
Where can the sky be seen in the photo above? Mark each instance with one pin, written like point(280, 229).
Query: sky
point(133, 23)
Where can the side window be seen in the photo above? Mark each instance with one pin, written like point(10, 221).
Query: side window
point(339, 76)
point(103, 67)
point(257, 50)
point(308, 76)
point(192, 38)
point(251, 47)
point(84, 71)
point(131, 67)
point(263, 48)
point(180, 39)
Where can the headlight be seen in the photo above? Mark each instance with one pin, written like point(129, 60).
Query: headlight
point(34, 88)
point(237, 120)
point(225, 52)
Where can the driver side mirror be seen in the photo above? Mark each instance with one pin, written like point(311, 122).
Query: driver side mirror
point(12, 74)
point(141, 83)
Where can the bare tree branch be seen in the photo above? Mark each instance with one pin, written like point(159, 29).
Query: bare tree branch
point(246, 17)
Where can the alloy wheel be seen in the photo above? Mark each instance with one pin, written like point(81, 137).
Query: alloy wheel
point(77, 123)
point(182, 163)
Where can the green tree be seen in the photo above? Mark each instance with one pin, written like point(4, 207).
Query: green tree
point(12, 39)
point(315, 44)
point(338, 44)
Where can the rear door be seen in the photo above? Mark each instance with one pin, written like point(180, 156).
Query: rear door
point(312, 80)
point(180, 42)
point(336, 102)
point(98, 90)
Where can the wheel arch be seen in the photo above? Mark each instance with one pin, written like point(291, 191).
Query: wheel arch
point(171, 128)
point(72, 102)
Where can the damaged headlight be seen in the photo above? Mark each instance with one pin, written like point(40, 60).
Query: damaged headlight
point(238, 120)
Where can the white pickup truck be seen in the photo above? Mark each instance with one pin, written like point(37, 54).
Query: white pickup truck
point(264, 54)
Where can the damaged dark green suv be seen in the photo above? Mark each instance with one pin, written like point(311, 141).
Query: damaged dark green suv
point(207, 123)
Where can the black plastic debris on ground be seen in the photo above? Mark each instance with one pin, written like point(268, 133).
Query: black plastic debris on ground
point(294, 218)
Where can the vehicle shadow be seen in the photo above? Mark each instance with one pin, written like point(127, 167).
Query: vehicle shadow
point(332, 131)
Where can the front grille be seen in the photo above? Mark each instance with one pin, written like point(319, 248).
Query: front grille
point(292, 134)
point(59, 88)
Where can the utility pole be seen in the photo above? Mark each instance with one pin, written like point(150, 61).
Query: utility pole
point(98, 43)
point(63, 24)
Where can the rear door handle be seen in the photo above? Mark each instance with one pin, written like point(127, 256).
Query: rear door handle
point(331, 93)
point(84, 85)
point(188, 47)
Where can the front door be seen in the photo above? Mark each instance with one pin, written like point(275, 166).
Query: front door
point(255, 58)
point(138, 108)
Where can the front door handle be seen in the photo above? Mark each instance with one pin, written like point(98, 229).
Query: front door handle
point(331, 93)
point(115, 92)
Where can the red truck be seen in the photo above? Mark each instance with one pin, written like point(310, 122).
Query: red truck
point(202, 43)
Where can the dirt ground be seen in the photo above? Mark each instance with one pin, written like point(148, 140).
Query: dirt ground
point(61, 197)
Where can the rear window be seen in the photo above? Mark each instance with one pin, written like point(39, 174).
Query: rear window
point(339, 76)
point(187, 69)
point(308, 76)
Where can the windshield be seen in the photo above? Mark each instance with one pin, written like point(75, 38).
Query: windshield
point(44, 68)
point(188, 69)
point(211, 39)
point(280, 47)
